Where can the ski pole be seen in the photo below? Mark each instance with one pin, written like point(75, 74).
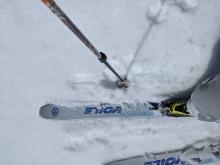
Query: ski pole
point(51, 4)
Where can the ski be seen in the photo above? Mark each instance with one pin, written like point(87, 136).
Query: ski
point(79, 110)
point(202, 152)
point(102, 110)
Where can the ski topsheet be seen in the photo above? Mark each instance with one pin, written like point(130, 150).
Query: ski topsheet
point(203, 152)
point(166, 158)
point(59, 112)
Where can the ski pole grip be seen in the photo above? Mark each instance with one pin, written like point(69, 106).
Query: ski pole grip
point(47, 2)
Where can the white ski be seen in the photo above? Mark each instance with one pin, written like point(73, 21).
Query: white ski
point(203, 152)
point(59, 112)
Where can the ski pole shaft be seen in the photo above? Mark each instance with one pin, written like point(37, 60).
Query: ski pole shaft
point(51, 4)
point(66, 20)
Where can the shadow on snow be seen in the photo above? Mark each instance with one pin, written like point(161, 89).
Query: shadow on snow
point(212, 70)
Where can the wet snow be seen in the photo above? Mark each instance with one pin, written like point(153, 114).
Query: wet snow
point(41, 61)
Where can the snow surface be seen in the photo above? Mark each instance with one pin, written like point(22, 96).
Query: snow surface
point(41, 61)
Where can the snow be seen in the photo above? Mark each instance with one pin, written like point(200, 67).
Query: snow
point(186, 5)
point(157, 12)
point(41, 61)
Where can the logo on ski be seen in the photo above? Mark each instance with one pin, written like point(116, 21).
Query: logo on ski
point(101, 110)
point(55, 111)
point(168, 161)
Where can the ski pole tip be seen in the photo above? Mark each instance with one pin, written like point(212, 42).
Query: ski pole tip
point(122, 84)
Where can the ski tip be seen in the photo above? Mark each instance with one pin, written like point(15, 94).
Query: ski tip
point(42, 110)
point(48, 111)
